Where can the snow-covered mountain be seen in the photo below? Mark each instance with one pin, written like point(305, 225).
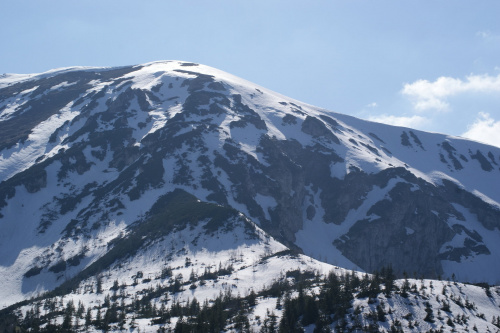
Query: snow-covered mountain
point(114, 171)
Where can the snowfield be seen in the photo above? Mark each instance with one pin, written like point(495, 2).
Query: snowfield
point(279, 194)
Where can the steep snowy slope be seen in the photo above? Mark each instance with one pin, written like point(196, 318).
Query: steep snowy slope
point(206, 268)
point(88, 153)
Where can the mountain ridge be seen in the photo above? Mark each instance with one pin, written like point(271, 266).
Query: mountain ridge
point(108, 143)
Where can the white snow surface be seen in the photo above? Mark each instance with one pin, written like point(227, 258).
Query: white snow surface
point(21, 246)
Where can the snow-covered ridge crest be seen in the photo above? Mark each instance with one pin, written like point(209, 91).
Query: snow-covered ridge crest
point(8, 79)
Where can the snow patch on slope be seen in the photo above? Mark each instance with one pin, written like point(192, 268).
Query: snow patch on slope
point(478, 267)
point(317, 236)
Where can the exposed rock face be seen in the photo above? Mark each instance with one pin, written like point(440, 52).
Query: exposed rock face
point(316, 128)
point(98, 148)
point(409, 227)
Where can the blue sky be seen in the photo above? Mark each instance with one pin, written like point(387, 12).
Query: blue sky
point(431, 65)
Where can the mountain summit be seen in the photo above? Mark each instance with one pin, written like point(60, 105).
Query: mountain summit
point(98, 164)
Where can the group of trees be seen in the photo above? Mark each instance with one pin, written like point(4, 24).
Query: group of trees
point(330, 305)
point(302, 299)
point(333, 302)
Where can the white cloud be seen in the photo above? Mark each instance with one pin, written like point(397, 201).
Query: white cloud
point(483, 34)
point(413, 121)
point(427, 95)
point(484, 129)
point(488, 35)
point(372, 105)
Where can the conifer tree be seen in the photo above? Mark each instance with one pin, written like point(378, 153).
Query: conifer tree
point(311, 313)
point(270, 324)
point(99, 284)
point(388, 279)
point(88, 317)
point(241, 322)
point(430, 315)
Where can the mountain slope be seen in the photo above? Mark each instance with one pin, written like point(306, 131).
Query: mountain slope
point(87, 154)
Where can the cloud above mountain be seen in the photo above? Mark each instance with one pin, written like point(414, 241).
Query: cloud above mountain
point(426, 95)
point(414, 121)
point(485, 129)
point(468, 105)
